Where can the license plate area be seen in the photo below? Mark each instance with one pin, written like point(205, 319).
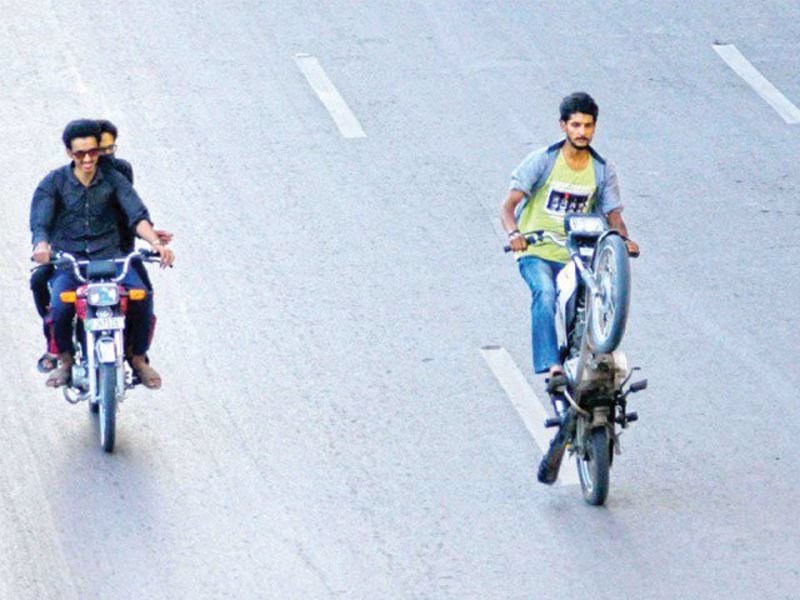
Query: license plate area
point(105, 324)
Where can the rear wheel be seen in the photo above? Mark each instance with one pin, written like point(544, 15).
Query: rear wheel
point(608, 310)
point(594, 466)
point(107, 383)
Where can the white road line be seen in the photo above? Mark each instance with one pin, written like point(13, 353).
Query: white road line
point(731, 55)
point(318, 80)
point(528, 405)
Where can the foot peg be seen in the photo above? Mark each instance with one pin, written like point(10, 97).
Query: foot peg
point(553, 422)
point(629, 418)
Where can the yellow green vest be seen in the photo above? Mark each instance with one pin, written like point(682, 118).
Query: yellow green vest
point(564, 191)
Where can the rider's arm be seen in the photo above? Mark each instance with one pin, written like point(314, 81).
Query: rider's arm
point(144, 229)
point(43, 208)
point(138, 216)
point(610, 204)
point(615, 221)
point(524, 179)
point(508, 218)
point(129, 201)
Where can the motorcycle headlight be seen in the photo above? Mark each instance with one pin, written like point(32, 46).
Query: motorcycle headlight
point(102, 295)
point(104, 312)
point(585, 225)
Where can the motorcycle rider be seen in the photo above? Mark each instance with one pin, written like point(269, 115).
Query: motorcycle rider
point(568, 176)
point(75, 209)
point(108, 148)
point(40, 277)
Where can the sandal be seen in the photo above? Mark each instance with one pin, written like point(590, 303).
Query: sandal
point(148, 376)
point(46, 363)
point(60, 376)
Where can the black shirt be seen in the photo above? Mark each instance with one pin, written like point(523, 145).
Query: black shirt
point(108, 162)
point(121, 165)
point(85, 220)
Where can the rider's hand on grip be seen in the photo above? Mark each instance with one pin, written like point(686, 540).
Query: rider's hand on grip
point(517, 242)
point(167, 255)
point(41, 253)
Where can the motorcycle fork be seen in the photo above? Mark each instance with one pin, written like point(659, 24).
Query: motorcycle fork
point(91, 361)
point(92, 339)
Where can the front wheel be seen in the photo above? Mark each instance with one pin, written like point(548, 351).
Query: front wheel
point(594, 466)
point(107, 384)
point(608, 312)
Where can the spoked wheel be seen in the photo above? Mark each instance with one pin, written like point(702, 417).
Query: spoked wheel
point(608, 311)
point(107, 383)
point(593, 467)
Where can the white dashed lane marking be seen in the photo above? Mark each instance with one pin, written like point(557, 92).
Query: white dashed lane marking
point(528, 405)
point(782, 105)
point(319, 81)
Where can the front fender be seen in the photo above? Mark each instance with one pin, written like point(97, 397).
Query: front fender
point(105, 351)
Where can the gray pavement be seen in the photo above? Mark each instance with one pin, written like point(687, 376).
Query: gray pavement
point(328, 427)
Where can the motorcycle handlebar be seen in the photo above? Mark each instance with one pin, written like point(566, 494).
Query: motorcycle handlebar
point(65, 259)
point(537, 237)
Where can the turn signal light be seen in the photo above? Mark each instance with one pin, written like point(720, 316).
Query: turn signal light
point(137, 294)
point(68, 297)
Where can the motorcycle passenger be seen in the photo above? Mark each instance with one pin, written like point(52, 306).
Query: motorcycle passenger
point(108, 149)
point(75, 209)
point(40, 277)
point(569, 176)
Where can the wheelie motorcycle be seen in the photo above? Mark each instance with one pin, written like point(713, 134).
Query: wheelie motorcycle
point(100, 373)
point(593, 297)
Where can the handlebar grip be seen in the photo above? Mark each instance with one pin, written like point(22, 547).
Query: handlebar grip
point(531, 239)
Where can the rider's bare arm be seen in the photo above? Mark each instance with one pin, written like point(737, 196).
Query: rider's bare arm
point(615, 221)
point(517, 242)
point(43, 207)
point(164, 236)
point(144, 229)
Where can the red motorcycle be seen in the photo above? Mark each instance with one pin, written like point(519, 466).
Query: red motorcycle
point(100, 373)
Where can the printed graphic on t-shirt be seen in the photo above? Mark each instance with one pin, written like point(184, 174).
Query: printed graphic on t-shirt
point(565, 199)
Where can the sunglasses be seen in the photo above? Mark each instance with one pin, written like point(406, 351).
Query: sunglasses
point(108, 149)
point(81, 154)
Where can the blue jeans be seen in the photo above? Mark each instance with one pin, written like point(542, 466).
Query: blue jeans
point(139, 316)
point(540, 275)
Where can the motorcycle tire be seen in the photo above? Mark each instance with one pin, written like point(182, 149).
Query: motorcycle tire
point(608, 312)
point(107, 383)
point(594, 467)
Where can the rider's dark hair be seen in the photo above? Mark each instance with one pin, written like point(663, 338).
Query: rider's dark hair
point(107, 126)
point(80, 128)
point(579, 102)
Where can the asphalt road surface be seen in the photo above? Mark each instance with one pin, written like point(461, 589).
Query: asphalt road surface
point(328, 427)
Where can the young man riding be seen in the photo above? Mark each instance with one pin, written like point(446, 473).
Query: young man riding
point(40, 277)
point(76, 209)
point(569, 176)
